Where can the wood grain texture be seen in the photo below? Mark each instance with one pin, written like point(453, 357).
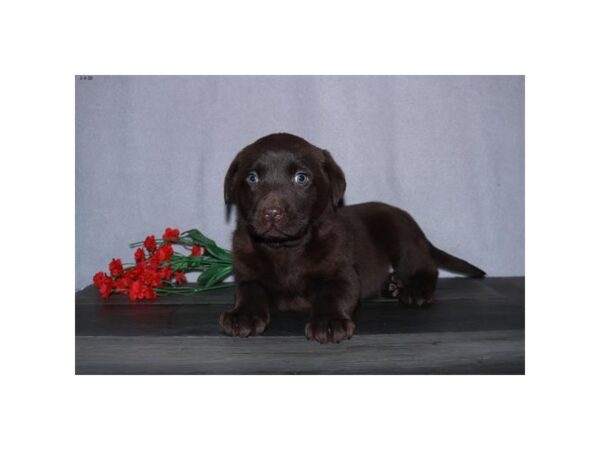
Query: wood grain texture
point(475, 327)
point(479, 352)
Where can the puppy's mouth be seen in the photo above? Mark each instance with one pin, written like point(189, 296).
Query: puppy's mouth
point(275, 235)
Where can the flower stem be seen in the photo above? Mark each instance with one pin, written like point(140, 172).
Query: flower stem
point(190, 290)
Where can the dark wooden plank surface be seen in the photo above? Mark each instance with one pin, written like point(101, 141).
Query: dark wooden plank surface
point(477, 352)
point(476, 326)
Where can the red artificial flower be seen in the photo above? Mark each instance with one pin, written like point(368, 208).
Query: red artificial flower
point(141, 291)
point(153, 262)
point(116, 267)
point(140, 255)
point(165, 252)
point(122, 284)
point(197, 250)
point(148, 293)
point(171, 234)
point(135, 271)
point(136, 290)
point(99, 279)
point(151, 278)
point(150, 244)
point(179, 277)
point(104, 284)
point(106, 290)
point(166, 273)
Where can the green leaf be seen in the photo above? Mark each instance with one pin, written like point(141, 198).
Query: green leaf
point(207, 274)
point(213, 275)
point(210, 245)
point(219, 275)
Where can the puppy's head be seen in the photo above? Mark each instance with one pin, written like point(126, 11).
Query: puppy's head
point(281, 184)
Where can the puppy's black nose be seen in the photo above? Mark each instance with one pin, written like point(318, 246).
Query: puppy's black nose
point(273, 214)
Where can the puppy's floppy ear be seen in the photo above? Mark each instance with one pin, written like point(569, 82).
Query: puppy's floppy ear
point(228, 186)
point(337, 180)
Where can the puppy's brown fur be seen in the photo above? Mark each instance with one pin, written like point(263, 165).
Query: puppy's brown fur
point(295, 248)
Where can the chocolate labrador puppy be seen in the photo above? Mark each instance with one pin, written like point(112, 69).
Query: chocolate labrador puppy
point(296, 248)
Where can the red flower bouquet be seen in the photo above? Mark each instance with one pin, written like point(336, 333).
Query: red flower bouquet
point(160, 270)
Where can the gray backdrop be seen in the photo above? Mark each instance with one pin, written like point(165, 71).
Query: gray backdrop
point(151, 152)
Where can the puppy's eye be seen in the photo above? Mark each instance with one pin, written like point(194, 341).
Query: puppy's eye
point(252, 178)
point(300, 178)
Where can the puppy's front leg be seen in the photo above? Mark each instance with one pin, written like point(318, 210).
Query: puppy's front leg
point(251, 313)
point(333, 303)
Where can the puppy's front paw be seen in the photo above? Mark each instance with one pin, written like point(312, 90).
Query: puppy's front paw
point(328, 328)
point(235, 323)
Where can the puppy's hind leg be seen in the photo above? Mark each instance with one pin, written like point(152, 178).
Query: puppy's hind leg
point(414, 276)
point(416, 289)
point(392, 286)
